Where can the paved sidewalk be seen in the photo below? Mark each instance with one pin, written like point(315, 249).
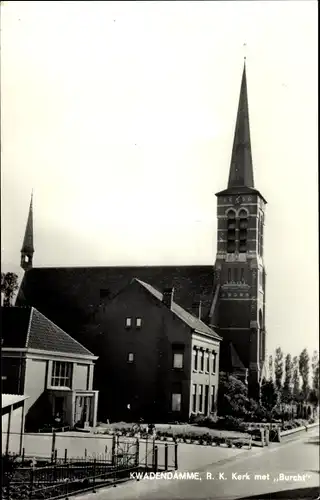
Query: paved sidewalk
point(192, 458)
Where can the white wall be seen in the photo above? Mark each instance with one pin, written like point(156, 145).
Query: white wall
point(80, 376)
point(15, 430)
point(35, 381)
point(4, 430)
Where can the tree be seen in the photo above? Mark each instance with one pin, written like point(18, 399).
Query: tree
point(295, 379)
point(278, 368)
point(315, 371)
point(314, 392)
point(271, 367)
point(232, 395)
point(304, 370)
point(269, 396)
point(9, 285)
point(288, 375)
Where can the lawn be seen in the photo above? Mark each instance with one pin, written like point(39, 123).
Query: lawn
point(173, 429)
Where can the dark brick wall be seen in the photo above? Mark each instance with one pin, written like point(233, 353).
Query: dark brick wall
point(148, 382)
point(13, 373)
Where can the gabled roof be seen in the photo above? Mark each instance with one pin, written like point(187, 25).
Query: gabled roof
point(70, 295)
point(26, 327)
point(190, 320)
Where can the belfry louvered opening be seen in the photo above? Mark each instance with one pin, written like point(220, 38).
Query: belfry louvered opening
point(231, 231)
point(243, 231)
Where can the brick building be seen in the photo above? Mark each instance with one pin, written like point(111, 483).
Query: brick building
point(147, 341)
point(231, 292)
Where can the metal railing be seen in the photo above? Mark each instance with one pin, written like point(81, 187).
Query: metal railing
point(63, 477)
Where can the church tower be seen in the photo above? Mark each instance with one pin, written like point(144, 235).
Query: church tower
point(240, 278)
point(27, 249)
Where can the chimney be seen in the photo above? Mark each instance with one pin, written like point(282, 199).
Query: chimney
point(197, 309)
point(168, 297)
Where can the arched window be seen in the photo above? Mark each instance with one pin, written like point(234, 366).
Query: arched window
point(235, 274)
point(242, 275)
point(262, 337)
point(243, 231)
point(231, 231)
point(261, 235)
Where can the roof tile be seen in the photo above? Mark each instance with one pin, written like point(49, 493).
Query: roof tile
point(26, 327)
point(192, 321)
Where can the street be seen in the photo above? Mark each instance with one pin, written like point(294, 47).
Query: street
point(288, 471)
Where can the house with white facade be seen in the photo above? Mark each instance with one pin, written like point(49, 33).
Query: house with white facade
point(54, 371)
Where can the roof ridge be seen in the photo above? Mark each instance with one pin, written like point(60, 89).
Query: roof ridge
point(138, 266)
point(176, 309)
point(74, 340)
point(29, 327)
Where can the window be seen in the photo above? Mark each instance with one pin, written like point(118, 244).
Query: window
point(213, 357)
point(138, 322)
point(242, 275)
point(195, 359)
point(207, 362)
point(212, 399)
point(200, 398)
point(176, 402)
point(130, 357)
point(61, 374)
point(260, 235)
point(229, 275)
point(194, 398)
point(178, 360)
point(243, 226)
point(206, 398)
point(260, 278)
point(201, 360)
point(128, 322)
point(235, 274)
point(231, 232)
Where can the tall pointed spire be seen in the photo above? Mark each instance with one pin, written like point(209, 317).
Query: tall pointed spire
point(27, 249)
point(241, 171)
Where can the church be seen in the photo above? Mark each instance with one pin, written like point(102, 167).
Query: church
point(224, 300)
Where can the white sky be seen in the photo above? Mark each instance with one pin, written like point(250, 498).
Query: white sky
point(121, 116)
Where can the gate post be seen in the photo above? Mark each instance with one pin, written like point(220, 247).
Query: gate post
point(53, 445)
point(166, 456)
point(113, 450)
point(262, 436)
point(267, 437)
point(156, 459)
point(137, 452)
point(31, 483)
point(94, 475)
point(176, 456)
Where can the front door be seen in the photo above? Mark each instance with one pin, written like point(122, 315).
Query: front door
point(82, 410)
point(59, 408)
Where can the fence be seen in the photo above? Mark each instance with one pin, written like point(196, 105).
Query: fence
point(42, 446)
point(61, 477)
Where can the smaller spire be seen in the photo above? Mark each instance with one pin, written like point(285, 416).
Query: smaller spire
point(27, 249)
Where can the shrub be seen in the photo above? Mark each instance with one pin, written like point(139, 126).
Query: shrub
point(200, 419)
point(9, 465)
point(231, 423)
point(211, 422)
